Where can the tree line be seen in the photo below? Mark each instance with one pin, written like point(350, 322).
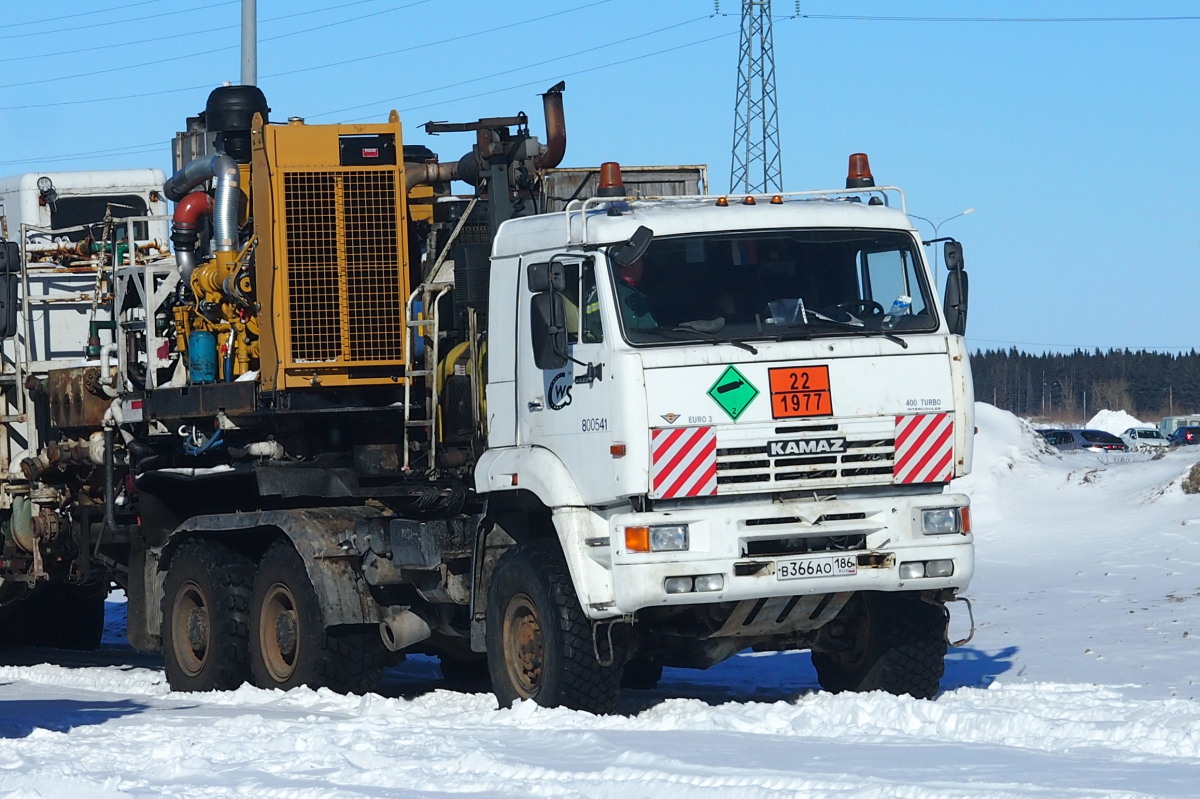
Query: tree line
point(1072, 387)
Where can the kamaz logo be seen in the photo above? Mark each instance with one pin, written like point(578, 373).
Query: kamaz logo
point(808, 446)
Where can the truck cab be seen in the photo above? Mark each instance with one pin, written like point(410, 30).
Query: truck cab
point(750, 425)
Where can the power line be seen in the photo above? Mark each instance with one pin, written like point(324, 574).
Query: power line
point(492, 29)
point(109, 46)
point(622, 40)
point(1075, 346)
point(80, 14)
point(177, 90)
point(558, 76)
point(867, 18)
point(94, 25)
point(209, 52)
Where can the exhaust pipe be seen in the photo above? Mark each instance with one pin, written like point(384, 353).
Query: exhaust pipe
point(556, 128)
point(401, 628)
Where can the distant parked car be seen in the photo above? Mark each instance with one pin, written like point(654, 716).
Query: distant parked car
point(1090, 440)
point(1184, 435)
point(1145, 439)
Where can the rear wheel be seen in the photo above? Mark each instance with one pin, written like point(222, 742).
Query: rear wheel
point(205, 617)
point(884, 642)
point(539, 643)
point(56, 615)
point(289, 642)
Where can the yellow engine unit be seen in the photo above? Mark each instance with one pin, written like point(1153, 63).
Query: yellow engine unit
point(331, 266)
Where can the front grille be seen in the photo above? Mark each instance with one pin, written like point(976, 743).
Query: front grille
point(746, 466)
point(802, 545)
point(343, 259)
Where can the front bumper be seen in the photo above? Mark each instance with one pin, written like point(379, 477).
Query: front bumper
point(747, 548)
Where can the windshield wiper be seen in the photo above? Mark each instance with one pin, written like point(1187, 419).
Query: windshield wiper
point(704, 328)
point(709, 327)
point(820, 319)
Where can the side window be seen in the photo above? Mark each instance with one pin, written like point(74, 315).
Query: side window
point(590, 308)
point(891, 273)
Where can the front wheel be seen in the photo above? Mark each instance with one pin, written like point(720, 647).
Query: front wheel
point(289, 642)
point(539, 642)
point(890, 642)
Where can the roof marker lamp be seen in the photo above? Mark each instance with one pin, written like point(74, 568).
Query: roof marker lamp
point(748, 200)
point(657, 538)
point(722, 202)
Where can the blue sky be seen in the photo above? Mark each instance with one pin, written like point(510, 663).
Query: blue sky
point(1075, 141)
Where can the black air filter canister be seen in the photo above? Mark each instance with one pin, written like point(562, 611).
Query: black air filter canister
point(229, 113)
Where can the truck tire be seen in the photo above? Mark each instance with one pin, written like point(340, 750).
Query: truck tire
point(205, 617)
point(539, 643)
point(56, 616)
point(80, 611)
point(289, 642)
point(891, 642)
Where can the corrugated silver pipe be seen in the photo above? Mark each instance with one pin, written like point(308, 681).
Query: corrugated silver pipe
point(224, 170)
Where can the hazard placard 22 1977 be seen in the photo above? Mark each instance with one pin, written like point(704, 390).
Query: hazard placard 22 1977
point(800, 391)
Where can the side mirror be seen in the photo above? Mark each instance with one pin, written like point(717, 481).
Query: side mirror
point(9, 305)
point(10, 257)
point(548, 329)
point(546, 277)
point(955, 303)
point(954, 258)
point(630, 251)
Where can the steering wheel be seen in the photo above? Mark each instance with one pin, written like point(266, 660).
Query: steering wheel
point(869, 307)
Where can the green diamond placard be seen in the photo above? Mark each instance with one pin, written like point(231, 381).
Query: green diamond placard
point(733, 392)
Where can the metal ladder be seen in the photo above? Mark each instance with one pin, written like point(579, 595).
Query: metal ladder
point(419, 321)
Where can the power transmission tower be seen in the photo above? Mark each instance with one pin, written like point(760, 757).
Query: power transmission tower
point(756, 115)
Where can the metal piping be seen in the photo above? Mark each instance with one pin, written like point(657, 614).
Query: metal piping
point(417, 174)
point(556, 128)
point(185, 229)
point(225, 208)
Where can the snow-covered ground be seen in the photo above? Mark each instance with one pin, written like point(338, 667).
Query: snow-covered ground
point(1083, 680)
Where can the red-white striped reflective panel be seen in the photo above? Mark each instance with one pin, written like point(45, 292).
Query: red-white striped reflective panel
point(924, 448)
point(683, 462)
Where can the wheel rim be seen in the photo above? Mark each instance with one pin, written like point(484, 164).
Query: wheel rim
point(279, 632)
point(190, 631)
point(524, 646)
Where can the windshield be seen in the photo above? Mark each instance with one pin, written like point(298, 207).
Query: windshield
point(774, 284)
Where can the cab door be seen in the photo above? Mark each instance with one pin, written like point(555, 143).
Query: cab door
point(568, 410)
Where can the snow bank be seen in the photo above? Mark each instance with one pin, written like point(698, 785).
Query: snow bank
point(1115, 422)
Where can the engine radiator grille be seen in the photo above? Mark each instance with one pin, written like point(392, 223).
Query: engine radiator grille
point(344, 279)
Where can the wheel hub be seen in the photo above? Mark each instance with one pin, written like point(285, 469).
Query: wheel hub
point(525, 646)
point(197, 630)
point(279, 633)
point(190, 630)
point(285, 634)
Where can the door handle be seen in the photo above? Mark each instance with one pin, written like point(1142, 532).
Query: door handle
point(536, 405)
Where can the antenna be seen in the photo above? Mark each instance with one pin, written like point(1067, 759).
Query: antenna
point(756, 115)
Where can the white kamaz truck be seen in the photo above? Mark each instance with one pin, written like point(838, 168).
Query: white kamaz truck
point(356, 414)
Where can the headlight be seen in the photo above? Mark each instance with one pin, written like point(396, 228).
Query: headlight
point(945, 521)
point(657, 538)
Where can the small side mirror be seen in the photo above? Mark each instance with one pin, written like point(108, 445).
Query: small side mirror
point(548, 330)
point(630, 251)
point(955, 303)
point(954, 256)
point(546, 276)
